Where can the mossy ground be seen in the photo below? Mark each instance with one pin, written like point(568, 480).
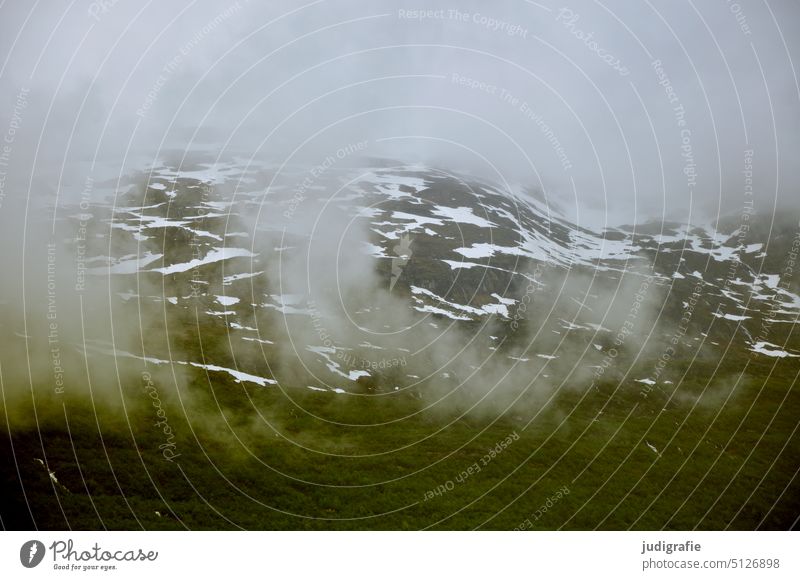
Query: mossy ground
point(255, 458)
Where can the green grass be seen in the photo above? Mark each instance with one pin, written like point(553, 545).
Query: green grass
point(237, 470)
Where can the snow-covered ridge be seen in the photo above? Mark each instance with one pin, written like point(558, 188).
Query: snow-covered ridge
point(470, 253)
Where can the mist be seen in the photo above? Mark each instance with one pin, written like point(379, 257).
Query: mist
point(614, 114)
point(581, 101)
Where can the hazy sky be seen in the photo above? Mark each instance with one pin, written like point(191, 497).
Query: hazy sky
point(638, 109)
